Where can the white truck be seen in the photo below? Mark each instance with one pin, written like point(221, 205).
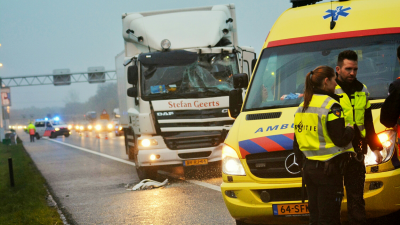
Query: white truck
point(174, 78)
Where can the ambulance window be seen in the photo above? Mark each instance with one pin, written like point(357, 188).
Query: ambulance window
point(48, 124)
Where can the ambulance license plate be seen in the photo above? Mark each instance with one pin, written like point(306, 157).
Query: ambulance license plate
point(300, 209)
point(195, 162)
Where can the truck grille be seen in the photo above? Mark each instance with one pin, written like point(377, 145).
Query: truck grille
point(270, 164)
point(194, 155)
point(190, 140)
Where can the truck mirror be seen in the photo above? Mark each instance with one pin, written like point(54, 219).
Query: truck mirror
point(133, 74)
point(235, 102)
point(240, 80)
point(253, 64)
point(132, 92)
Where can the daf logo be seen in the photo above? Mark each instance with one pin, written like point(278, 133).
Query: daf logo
point(291, 165)
point(225, 111)
point(165, 113)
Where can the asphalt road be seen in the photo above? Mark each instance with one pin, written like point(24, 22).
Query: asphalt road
point(91, 187)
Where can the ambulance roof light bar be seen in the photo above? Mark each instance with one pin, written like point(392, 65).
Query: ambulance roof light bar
point(299, 3)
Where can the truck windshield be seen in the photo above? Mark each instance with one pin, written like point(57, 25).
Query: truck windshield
point(280, 76)
point(210, 75)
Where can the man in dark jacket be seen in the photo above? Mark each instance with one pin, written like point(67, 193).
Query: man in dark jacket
point(390, 110)
point(357, 112)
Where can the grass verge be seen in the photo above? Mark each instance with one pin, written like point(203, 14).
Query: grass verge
point(25, 203)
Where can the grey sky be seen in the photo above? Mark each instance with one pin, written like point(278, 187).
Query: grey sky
point(39, 36)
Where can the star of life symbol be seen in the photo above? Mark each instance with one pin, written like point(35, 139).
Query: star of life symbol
point(339, 11)
point(291, 165)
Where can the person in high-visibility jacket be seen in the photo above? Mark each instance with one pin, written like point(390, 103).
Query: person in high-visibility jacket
point(32, 131)
point(390, 111)
point(357, 112)
point(322, 137)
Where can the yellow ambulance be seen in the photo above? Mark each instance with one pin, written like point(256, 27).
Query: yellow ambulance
point(261, 179)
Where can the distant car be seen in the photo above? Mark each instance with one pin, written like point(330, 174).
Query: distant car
point(119, 131)
point(51, 128)
point(103, 126)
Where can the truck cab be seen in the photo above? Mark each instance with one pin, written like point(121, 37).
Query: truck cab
point(174, 78)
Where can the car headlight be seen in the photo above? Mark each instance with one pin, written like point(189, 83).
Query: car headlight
point(89, 127)
point(120, 128)
point(231, 164)
point(98, 127)
point(69, 127)
point(81, 127)
point(77, 127)
point(388, 139)
point(57, 129)
point(109, 126)
point(148, 142)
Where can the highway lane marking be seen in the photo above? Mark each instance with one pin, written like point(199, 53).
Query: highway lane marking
point(93, 152)
point(196, 182)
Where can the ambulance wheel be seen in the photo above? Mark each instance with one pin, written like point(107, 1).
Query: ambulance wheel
point(238, 222)
point(37, 136)
point(148, 172)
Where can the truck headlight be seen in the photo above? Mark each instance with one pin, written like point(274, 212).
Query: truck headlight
point(148, 142)
point(90, 127)
point(388, 139)
point(120, 128)
point(57, 129)
point(97, 127)
point(109, 126)
point(231, 164)
point(69, 127)
point(81, 127)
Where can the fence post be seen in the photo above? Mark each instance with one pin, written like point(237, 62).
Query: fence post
point(10, 169)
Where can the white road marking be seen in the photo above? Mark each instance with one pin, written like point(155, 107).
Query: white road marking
point(200, 183)
point(93, 152)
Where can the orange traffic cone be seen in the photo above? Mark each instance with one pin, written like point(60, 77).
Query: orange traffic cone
point(97, 136)
point(87, 135)
point(106, 137)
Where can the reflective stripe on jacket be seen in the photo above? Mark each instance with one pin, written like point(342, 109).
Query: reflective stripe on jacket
point(311, 129)
point(354, 107)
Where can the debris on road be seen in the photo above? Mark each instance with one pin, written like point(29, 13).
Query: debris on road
point(148, 184)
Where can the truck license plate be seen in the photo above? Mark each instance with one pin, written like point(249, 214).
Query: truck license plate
point(300, 209)
point(195, 162)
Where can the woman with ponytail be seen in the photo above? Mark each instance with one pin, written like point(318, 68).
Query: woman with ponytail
point(324, 142)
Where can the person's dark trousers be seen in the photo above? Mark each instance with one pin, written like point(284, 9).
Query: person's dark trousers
point(324, 194)
point(32, 138)
point(354, 180)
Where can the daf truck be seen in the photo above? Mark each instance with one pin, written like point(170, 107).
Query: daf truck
point(174, 78)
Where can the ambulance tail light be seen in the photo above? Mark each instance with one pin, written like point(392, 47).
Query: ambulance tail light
point(231, 164)
point(388, 140)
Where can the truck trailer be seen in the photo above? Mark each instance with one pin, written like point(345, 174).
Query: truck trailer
point(174, 78)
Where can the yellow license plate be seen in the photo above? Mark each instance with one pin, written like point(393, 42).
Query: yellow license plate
point(300, 209)
point(195, 162)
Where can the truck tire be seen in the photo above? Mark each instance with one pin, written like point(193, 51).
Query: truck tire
point(66, 135)
point(147, 172)
point(131, 151)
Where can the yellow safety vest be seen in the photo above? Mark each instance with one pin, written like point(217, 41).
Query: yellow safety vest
point(354, 107)
point(311, 130)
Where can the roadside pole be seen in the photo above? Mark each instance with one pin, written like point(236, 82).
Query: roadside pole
point(1, 116)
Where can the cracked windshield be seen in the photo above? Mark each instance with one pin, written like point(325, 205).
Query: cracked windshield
point(211, 74)
point(189, 112)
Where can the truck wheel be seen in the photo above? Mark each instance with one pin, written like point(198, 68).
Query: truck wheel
point(37, 136)
point(148, 172)
point(66, 135)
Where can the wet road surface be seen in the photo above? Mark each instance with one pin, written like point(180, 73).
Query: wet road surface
point(92, 189)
